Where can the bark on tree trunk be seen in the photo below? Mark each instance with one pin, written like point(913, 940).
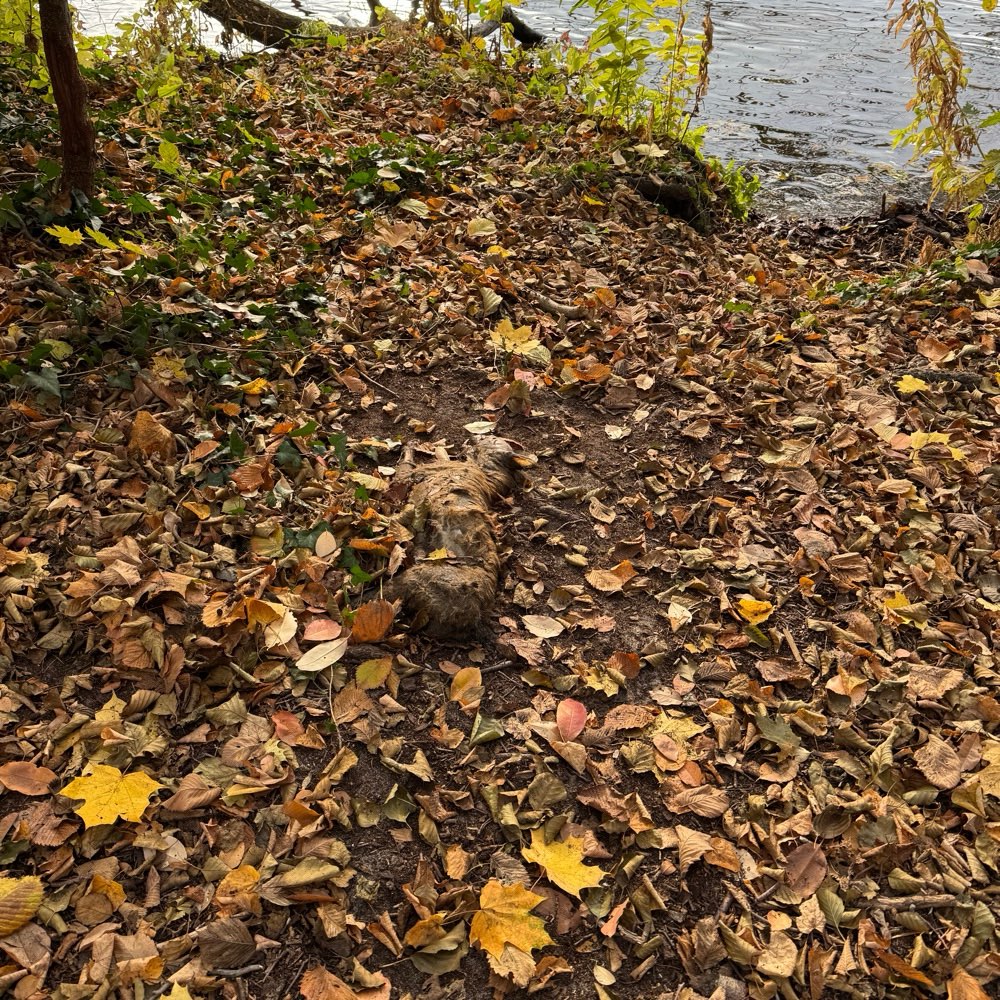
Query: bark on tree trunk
point(260, 21)
point(269, 26)
point(523, 33)
point(76, 132)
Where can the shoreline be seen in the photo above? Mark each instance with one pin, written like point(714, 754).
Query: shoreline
point(713, 701)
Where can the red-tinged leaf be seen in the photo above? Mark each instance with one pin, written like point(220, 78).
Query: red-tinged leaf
point(571, 717)
point(322, 630)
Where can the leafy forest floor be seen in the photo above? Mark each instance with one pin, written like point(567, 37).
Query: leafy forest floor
point(732, 727)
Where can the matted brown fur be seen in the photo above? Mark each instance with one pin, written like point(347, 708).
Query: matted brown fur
point(450, 509)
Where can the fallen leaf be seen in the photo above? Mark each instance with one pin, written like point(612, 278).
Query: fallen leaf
point(571, 717)
point(805, 869)
point(318, 983)
point(150, 439)
point(504, 917)
point(26, 778)
point(543, 626)
point(754, 611)
point(323, 655)
point(939, 763)
point(908, 385)
point(963, 986)
point(19, 902)
point(563, 863)
point(107, 795)
point(702, 801)
point(371, 621)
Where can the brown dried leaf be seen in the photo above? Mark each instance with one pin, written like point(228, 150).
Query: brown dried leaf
point(692, 846)
point(703, 801)
point(962, 986)
point(226, 944)
point(939, 763)
point(27, 778)
point(151, 439)
point(805, 869)
point(319, 983)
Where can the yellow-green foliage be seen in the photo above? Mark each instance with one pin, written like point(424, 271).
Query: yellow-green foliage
point(944, 129)
point(21, 36)
point(641, 66)
point(152, 42)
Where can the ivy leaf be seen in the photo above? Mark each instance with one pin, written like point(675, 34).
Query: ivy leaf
point(504, 917)
point(563, 863)
point(108, 794)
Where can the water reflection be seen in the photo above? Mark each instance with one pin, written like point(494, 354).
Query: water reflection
point(806, 91)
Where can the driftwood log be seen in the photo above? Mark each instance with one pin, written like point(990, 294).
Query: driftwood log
point(452, 582)
point(523, 33)
point(272, 27)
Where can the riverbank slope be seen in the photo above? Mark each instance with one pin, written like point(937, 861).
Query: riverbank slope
point(730, 729)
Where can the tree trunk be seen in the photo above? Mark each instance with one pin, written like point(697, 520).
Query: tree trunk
point(76, 133)
point(523, 33)
point(260, 21)
point(269, 26)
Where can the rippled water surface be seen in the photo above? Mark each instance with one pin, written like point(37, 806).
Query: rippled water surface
point(806, 92)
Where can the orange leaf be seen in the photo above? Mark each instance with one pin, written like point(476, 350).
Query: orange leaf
point(320, 984)
point(372, 621)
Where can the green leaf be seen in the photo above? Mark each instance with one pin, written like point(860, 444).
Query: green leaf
point(486, 729)
point(169, 157)
point(46, 380)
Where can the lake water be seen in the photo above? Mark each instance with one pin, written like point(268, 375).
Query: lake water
point(804, 92)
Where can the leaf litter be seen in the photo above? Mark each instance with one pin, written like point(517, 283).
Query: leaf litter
point(730, 728)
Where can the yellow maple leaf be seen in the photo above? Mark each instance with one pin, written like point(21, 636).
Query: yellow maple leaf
point(563, 863)
point(19, 902)
point(908, 385)
point(256, 387)
point(108, 794)
point(505, 917)
point(67, 237)
point(508, 337)
point(755, 612)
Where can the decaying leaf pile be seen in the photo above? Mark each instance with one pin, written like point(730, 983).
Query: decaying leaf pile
point(731, 727)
